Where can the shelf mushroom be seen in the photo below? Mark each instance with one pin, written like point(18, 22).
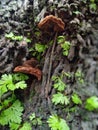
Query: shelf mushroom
point(51, 22)
point(48, 24)
point(29, 67)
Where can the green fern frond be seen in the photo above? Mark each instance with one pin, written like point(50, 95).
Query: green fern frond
point(57, 123)
point(59, 98)
point(12, 114)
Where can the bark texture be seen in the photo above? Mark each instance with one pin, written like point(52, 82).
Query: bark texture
point(22, 17)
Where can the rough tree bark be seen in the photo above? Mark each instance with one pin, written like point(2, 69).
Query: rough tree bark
point(81, 30)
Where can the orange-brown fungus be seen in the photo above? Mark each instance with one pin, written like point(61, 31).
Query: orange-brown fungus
point(51, 22)
point(28, 67)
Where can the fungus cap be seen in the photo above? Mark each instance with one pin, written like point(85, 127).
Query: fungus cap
point(29, 67)
point(51, 22)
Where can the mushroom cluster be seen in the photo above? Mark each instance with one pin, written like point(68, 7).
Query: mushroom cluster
point(29, 67)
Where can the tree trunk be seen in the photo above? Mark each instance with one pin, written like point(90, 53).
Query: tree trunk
point(81, 30)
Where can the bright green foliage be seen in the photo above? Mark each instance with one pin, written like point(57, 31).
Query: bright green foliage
point(11, 108)
point(6, 102)
point(77, 12)
point(13, 37)
point(66, 47)
point(61, 39)
point(14, 126)
point(8, 82)
point(59, 98)
point(76, 99)
point(26, 126)
point(37, 50)
point(58, 83)
point(93, 5)
point(19, 77)
point(91, 103)
point(21, 85)
point(12, 114)
point(16, 38)
point(57, 123)
point(33, 116)
point(79, 76)
point(40, 47)
point(35, 120)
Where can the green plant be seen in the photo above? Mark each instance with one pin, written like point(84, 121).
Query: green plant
point(26, 126)
point(11, 112)
point(10, 107)
point(40, 47)
point(58, 83)
point(60, 39)
point(91, 103)
point(13, 37)
point(35, 120)
point(77, 12)
point(65, 45)
point(37, 50)
point(19, 77)
point(79, 76)
point(57, 123)
point(76, 99)
point(93, 5)
point(9, 83)
point(60, 98)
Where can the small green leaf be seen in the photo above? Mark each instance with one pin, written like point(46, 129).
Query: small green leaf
point(40, 48)
point(65, 53)
point(6, 83)
point(58, 83)
point(60, 39)
point(10, 35)
point(12, 114)
point(76, 99)
point(27, 40)
point(60, 86)
point(65, 46)
point(59, 98)
point(21, 85)
point(32, 116)
point(26, 126)
point(77, 12)
point(19, 77)
point(80, 76)
point(14, 126)
point(57, 123)
point(93, 6)
point(91, 103)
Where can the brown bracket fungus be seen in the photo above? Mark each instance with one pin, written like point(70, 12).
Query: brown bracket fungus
point(51, 23)
point(29, 67)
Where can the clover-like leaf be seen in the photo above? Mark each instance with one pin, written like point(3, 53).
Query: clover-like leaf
point(12, 114)
point(59, 98)
point(91, 103)
point(40, 47)
point(57, 123)
point(76, 99)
